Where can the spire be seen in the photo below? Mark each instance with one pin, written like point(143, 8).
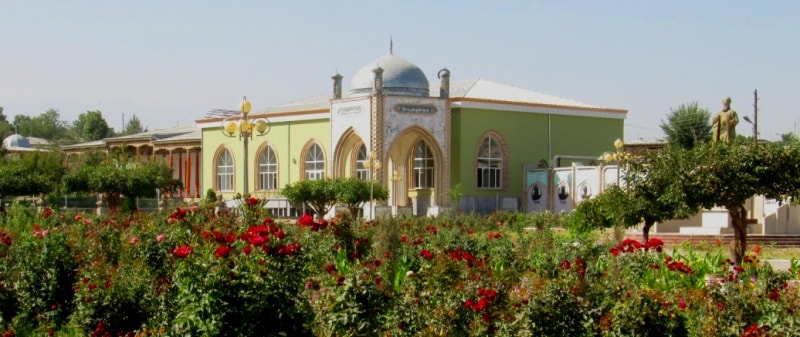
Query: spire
point(391, 46)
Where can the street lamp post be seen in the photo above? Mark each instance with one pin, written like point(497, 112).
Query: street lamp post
point(616, 156)
point(755, 131)
point(243, 129)
point(375, 164)
point(246, 131)
point(395, 179)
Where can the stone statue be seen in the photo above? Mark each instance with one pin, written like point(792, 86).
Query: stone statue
point(724, 123)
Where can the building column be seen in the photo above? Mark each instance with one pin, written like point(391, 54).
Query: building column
point(197, 174)
point(188, 182)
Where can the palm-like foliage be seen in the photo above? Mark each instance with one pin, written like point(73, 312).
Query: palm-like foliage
point(687, 126)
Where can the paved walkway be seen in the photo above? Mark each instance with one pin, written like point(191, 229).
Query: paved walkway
point(779, 264)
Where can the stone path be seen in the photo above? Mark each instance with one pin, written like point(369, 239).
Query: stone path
point(779, 264)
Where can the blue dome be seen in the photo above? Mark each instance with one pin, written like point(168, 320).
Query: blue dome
point(400, 77)
point(16, 141)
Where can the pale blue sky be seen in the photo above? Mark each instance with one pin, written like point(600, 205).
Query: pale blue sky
point(170, 62)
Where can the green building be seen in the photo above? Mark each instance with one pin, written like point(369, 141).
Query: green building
point(420, 141)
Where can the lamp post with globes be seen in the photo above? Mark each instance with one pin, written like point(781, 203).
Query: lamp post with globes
point(373, 164)
point(243, 129)
point(617, 156)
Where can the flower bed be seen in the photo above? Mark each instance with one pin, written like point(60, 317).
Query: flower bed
point(190, 272)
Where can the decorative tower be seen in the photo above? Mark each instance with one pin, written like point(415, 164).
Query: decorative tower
point(337, 86)
point(377, 87)
point(444, 88)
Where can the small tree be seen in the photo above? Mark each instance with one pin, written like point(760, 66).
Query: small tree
point(31, 173)
point(353, 193)
point(319, 195)
point(652, 194)
point(115, 179)
point(725, 175)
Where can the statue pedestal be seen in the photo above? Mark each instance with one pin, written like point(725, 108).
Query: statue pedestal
point(713, 221)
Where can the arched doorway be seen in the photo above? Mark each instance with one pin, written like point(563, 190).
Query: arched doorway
point(417, 174)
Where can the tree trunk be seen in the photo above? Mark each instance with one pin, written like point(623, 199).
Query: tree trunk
point(648, 223)
point(739, 244)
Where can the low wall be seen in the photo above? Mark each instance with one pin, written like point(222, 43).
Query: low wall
point(487, 205)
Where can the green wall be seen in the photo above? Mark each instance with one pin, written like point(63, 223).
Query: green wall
point(287, 139)
point(526, 138)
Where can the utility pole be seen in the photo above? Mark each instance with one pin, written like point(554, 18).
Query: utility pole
point(755, 117)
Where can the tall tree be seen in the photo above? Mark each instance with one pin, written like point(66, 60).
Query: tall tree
point(6, 129)
point(92, 126)
point(133, 126)
point(48, 125)
point(789, 138)
point(688, 125)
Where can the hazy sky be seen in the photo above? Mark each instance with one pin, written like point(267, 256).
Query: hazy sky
point(170, 62)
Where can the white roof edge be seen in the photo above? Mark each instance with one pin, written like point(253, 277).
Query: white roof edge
point(554, 110)
point(273, 119)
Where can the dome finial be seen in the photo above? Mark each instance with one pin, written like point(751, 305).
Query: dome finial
point(391, 46)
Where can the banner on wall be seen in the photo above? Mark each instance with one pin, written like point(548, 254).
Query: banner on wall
point(611, 174)
point(538, 189)
point(587, 183)
point(562, 198)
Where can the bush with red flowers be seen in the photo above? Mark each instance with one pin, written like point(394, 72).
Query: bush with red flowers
point(206, 274)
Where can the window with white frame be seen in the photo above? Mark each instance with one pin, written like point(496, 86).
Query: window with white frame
point(225, 171)
point(490, 164)
point(267, 170)
point(315, 163)
point(362, 172)
point(422, 166)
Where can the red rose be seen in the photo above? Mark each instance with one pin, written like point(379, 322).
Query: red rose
point(222, 251)
point(482, 304)
point(330, 268)
point(305, 220)
point(182, 251)
point(426, 254)
point(258, 240)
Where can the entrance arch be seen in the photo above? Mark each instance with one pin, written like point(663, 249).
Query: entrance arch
point(345, 153)
point(400, 159)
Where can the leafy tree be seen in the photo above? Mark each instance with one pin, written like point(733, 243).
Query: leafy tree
point(119, 178)
point(688, 125)
point(725, 175)
point(92, 126)
point(47, 125)
point(6, 129)
point(353, 193)
point(319, 195)
point(651, 193)
point(133, 126)
point(31, 173)
point(789, 138)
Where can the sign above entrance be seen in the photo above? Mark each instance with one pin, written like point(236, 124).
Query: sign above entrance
point(349, 110)
point(415, 108)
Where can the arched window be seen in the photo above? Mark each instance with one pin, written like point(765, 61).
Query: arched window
point(315, 163)
point(490, 164)
point(225, 171)
point(267, 170)
point(362, 172)
point(422, 166)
